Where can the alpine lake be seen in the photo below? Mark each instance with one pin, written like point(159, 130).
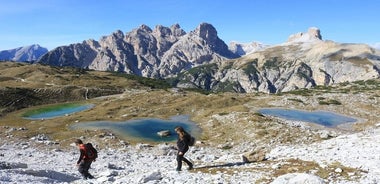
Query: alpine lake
point(142, 129)
point(148, 129)
point(324, 118)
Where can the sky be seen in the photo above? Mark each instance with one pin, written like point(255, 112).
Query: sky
point(53, 23)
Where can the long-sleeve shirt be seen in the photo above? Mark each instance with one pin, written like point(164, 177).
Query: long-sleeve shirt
point(81, 154)
point(182, 144)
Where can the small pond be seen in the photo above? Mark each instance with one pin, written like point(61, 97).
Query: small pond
point(144, 129)
point(56, 111)
point(324, 118)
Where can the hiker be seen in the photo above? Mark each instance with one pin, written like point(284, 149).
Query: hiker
point(183, 147)
point(84, 161)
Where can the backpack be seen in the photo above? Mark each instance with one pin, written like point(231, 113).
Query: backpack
point(90, 152)
point(191, 141)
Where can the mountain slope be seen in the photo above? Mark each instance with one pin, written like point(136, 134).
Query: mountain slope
point(27, 53)
point(302, 62)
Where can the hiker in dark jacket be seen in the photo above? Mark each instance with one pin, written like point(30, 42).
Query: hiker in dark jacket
point(83, 162)
point(183, 147)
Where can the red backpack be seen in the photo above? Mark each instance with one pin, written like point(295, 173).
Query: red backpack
point(90, 152)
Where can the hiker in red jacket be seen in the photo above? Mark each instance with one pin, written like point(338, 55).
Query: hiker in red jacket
point(84, 162)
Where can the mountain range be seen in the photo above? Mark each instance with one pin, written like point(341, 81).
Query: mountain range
point(200, 59)
point(28, 53)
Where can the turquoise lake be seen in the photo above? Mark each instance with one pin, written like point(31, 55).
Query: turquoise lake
point(324, 118)
point(58, 111)
point(144, 129)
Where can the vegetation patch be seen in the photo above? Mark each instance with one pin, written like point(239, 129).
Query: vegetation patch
point(329, 102)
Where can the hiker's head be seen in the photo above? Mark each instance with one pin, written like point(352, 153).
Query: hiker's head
point(180, 131)
point(78, 141)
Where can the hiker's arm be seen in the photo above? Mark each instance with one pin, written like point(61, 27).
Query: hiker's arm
point(81, 156)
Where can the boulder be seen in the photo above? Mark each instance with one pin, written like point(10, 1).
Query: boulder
point(164, 133)
point(254, 156)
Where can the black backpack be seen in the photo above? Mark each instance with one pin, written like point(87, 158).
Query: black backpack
point(191, 141)
point(90, 151)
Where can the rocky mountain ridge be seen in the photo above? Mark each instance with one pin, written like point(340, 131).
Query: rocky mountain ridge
point(304, 61)
point(157, 53)
point(200, 59)
point(24, 54)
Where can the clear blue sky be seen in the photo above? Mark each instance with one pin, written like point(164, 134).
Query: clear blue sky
point(53, 23)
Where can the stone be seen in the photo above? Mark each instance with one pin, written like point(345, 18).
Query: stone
point(254, 156)
point(164, 133)
point(298, 178)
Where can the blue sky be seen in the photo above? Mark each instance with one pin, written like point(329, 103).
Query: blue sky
point(53, 23)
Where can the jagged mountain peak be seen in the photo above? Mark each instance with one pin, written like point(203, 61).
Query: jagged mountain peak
point(118, 34)
point(313, 34)
point(206, 31)
point(144, 28)
point(163, 31)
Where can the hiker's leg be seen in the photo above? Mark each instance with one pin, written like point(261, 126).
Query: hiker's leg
point(188, 163)
point(88, 174)
point(82, 169)
point(179, 162)
point(86, 167)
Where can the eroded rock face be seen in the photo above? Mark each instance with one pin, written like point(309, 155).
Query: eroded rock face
point(157, 53)
point(313, 34)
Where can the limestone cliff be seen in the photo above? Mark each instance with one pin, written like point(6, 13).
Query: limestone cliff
point(158, 53)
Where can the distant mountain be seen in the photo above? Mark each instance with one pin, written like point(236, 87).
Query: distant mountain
point(376, 45)
point(304, 61)
point(242, 49)
point(158, 53)
point(25, 54)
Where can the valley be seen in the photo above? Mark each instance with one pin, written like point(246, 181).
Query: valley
point(229, 121)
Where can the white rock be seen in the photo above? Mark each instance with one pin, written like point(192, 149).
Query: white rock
point(338, 170)
point(298, 178)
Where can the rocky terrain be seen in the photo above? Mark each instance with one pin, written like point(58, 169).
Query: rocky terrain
point(344, 159)
point(274, 150)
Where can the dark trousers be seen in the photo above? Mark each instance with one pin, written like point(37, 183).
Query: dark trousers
point(181, 158)
point(83, 168)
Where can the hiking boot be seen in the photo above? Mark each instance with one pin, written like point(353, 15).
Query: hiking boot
point(90, 176)
point(190, 167)
point(178, 169)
